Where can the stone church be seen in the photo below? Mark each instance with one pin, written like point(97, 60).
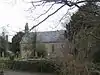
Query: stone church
point(54, 42)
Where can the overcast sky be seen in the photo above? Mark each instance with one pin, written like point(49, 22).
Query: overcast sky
point(13, 17)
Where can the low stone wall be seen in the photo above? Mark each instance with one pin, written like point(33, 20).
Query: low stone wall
point(30, 66)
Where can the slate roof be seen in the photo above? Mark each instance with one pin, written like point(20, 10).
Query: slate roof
point(45, 37)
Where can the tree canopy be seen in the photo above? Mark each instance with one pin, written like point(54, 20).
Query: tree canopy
point(83, 30)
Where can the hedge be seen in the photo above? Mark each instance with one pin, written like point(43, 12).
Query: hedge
point(32, 66)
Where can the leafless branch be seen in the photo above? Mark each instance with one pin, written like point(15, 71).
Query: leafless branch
point(71, 4)
point(67, 13)
point(45, 12)
point(47, 17)
point(64, 16)
point(33, 4)
point(38, 1)
point(68, 3)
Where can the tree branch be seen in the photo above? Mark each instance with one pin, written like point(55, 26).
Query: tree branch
point(47, 17)
point(98, 38)
point(68, 3)
point(45, 12)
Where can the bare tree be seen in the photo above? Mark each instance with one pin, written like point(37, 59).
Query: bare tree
point(69, 3)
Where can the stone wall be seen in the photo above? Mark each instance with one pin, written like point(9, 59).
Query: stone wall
point(52, 49)
point(55, 49)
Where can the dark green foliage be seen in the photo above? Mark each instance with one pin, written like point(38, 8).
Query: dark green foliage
point(84, 32)
point(12, 57)
point(86, 17)
point(16, 42)
point(29, 66)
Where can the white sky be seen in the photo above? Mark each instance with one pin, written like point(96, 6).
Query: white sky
point(13, 17)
